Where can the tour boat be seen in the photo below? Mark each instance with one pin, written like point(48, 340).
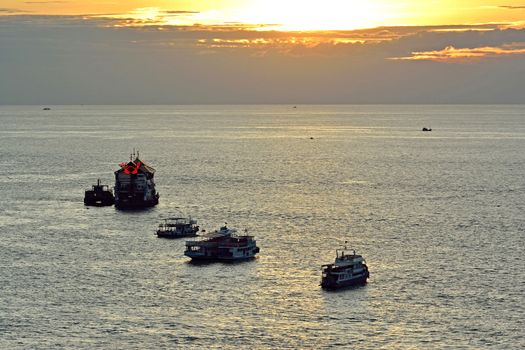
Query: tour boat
point(347, 270)
point(134, 185)
point(177, 227)
point(222, 245)
point(99, 195)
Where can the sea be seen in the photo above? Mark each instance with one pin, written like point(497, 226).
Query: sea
point(438, 216)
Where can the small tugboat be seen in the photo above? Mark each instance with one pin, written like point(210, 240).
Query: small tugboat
point(134, 185)
point(178, 227)
point(99, 196)
point(347, 270)
point(222, 245)
point(426, 129)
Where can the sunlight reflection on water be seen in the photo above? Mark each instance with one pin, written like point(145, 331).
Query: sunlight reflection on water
point(437, 216)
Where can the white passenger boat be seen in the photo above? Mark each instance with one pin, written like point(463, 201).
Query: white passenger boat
point(347, 270)
point(222, 245)
point(177, 227)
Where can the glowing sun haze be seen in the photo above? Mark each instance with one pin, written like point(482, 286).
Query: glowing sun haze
point(284, 14)
point(261, 51)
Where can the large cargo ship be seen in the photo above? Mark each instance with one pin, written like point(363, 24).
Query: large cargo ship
point(134, 185)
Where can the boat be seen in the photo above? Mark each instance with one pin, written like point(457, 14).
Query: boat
point(177, 227)
point(134, 185)
point(347, 270)
point(46, 109)
point(426, 129)
point(99, 196)
point(222, 245)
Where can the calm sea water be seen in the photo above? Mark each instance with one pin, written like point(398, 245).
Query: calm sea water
point(438, 216)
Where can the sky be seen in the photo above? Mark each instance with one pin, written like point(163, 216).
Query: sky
point(253, 51)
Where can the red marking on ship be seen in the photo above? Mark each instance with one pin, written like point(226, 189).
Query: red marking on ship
point(130, 169)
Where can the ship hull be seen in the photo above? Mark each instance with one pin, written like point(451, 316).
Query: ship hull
point(98, 203)
point(172, 235)
point(135, 203)
point(95, 199)
point(221, 259)
point(218, 255)
point(330, 282)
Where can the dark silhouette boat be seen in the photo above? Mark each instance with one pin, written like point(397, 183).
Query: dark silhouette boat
point(426, 129)
point(347, 270)
point(99, 196)
point(134, 185)
point(177, 227)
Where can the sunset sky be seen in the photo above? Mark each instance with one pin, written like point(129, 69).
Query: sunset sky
point(287, 14)
point(254, 51)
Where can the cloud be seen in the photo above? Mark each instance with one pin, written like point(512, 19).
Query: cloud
point(85, 59)
point(156, 17)
point(178, 12)
point(11, 10)
point(382, 42)
point(45, 2)
point(450, 53)
point(509, 7)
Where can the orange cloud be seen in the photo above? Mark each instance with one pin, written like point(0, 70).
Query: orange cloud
point(509, 7)
point(450, 53)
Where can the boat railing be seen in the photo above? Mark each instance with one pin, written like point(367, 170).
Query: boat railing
point(341, 252)
point(179, 221)
point(243, 237)
point(99, 188)
point(200, 244)
point(234, 244)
